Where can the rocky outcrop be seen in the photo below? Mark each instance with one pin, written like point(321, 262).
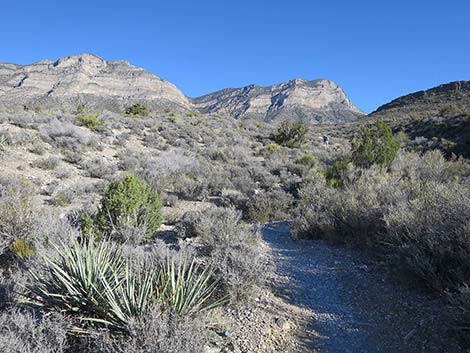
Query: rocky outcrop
point(84, 79)
point(319, 100)
point(90, 81)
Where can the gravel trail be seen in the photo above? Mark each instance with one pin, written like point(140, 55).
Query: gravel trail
point(355, 305)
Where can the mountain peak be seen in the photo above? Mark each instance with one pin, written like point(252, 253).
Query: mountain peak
point(84, 79)
point(316, 100)
point(80, 59)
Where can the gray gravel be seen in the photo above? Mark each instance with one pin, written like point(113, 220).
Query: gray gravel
point(356, 305)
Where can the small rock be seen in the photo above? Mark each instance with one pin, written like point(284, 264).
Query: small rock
point(211, 348)
point(283, 324)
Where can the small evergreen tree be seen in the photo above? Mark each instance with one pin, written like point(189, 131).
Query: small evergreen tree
point(290, 134)
point(137, 110)
point(374, 144)
point(128, 201)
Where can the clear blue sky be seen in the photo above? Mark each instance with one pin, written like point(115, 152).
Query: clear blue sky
point(376, 50)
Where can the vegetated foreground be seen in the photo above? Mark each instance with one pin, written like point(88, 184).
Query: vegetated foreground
point(135, 232)
point(354, 303)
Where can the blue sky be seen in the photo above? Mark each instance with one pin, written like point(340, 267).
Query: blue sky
point(376, 50)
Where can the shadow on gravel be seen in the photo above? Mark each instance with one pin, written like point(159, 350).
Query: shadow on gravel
point(355, 306)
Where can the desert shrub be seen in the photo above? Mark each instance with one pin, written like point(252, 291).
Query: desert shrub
point(128, 161)
point(47, 163)
point(156, 332)
point(14, 137)
point(290, 134)
point(129, 202)
point(306, 160)
point(311, 219)
point(272, 147)
point(355, 213)
point(37, 147)
point(236, 252)
point(186, 227)
point(237, 198)
point(94, 283)
point(374, 144)
point(269, 206)
point(90, 121)
point(336, 173)
point(17, 216)
point(21, 248)
point(97, 167)
point(430, 231)
point(63, 198)
point(22, 332)
point(177, 172)
point(67, 135)
point(137, 110)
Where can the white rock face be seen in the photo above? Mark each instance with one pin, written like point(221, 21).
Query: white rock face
point(83, 79)
point(89, 80)
point(319, 100)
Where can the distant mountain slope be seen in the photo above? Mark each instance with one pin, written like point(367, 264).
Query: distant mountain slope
point(89, 80)
point(439, 117)
point(83, 79)
point(318, 101)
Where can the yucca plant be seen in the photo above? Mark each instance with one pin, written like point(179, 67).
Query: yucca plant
point(93, 282)
point(77, 280)
point(187, 288)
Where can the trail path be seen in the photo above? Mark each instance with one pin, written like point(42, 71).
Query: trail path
point(356, 307)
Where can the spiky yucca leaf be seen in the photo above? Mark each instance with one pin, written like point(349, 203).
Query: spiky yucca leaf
point(187, 288)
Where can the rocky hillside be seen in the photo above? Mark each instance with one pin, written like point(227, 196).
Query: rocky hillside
point(89, 80)
point(83, 79)
point(317, 101)
point(435, 118)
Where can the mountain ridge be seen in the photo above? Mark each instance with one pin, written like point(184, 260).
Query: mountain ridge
point(100, 84)
point(438, 117)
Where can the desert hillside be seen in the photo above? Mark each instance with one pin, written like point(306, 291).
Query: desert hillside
point(134, 219)
point(433, 118)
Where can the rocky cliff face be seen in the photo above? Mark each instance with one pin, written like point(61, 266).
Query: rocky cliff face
point(319, 100)
point(89, 80)
point(83, 79)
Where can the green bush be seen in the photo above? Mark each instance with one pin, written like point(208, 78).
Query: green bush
point(374, 144)
point(129, 202)
point(273, 147)
point(21, 248)
point(290, 134)
point(335, 173)
point(137, 110)
point(90, 121)
point(306, 160)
